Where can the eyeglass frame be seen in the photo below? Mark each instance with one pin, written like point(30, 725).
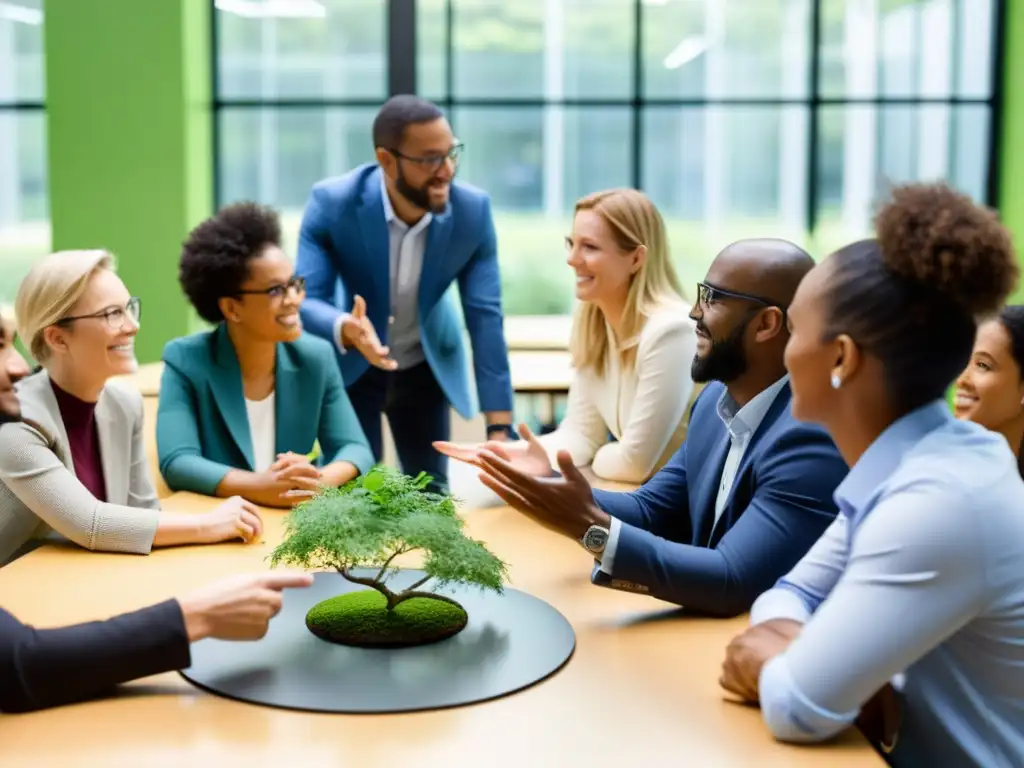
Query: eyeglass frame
point(703, 288)
point(296, 282)
point(109, 313)
point(433, 163)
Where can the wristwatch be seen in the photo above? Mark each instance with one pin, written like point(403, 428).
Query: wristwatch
point(595, 539)
point(506, 428)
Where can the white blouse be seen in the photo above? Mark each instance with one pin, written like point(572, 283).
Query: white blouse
point(644, 407)
point(263, 431)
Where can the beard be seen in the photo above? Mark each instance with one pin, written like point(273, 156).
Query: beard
point(725, 361)
point(418, 196)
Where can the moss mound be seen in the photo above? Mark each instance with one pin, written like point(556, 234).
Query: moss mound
point(362, 619)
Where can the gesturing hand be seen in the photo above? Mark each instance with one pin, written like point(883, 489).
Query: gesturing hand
point(357, 331)
point(563, 503)
point(239, 607)
point(235, 518)
point(526, 455)
point(750, 651)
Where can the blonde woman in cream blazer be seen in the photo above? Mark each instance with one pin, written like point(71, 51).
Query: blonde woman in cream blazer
point(627, 420)
point(76, 465)
point(632, 346)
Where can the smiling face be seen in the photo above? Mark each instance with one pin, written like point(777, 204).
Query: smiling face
point(12, 368)
point(603, 270)
point(97, 336)
point(990, 391)
point(269, 308)
point(422, 167)
point(722, 320)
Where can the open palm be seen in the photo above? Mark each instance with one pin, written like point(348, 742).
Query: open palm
point(526, 455)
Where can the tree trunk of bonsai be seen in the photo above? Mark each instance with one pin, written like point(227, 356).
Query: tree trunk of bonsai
point(395, 598)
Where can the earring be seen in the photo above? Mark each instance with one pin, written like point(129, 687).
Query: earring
point(836, 381)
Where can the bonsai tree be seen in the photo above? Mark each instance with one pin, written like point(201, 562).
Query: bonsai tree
point(367, 524)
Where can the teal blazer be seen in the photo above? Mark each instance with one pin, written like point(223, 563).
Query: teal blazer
point(202, 429)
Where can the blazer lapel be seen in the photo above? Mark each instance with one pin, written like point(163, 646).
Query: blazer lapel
point(707, 496)
point(438, 234)
point(374, 229)
point(226, 386)
point(749, 452)
point(39, 406)
point(115, 451)
point(291, 394)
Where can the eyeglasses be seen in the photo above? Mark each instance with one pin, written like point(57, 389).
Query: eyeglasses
point(298, 284)
point(115, 316)
point(433, 162)
point(709, 294)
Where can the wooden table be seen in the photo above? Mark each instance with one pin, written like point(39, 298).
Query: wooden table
point(641, 688)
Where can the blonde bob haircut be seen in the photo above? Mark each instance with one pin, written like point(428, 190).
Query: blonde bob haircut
point(634, 221)
point(50, 290)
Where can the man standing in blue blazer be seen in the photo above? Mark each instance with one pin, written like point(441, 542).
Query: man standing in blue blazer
point(379, 248)
point(745, 496)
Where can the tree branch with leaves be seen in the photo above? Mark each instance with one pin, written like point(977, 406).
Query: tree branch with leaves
point(374, 519)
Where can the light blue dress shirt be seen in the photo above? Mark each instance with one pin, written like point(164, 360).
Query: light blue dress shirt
point(742, 423)
point(406, 246)
point(922, 573)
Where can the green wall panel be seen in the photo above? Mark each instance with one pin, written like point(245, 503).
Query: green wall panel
point(130, 152)
point(1011, 150)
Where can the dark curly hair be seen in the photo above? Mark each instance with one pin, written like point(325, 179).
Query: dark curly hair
point(912, 297)
point(215, 257)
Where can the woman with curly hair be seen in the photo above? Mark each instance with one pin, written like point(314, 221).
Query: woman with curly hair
point(919, 580)
point(242, 405)
point(990, 391)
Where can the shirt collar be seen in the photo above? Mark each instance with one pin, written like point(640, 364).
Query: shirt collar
point(389, 211)
point(883, 456)
point(741, 421)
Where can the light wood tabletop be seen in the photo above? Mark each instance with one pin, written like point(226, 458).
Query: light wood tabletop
point(641, 687)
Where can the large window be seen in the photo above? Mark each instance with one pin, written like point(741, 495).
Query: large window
point(738, 117)
point(24, 202)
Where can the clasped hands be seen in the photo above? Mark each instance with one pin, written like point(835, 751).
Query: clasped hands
point(289, 480)
point(750, 651)
point(746, 655)
point(519, 472)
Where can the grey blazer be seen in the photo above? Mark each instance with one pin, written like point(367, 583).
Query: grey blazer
point(39, 492)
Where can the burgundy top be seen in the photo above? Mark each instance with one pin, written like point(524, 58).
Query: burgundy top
point(80, 423)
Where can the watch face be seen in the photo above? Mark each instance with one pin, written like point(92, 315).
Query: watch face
point(595, 539)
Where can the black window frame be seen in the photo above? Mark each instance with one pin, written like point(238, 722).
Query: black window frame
point(401, 59)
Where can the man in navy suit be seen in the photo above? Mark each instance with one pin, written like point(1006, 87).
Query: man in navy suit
point(749, 491)
point(379, 248)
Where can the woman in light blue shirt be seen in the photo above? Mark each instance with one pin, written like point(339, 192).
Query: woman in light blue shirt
point(914, 597)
